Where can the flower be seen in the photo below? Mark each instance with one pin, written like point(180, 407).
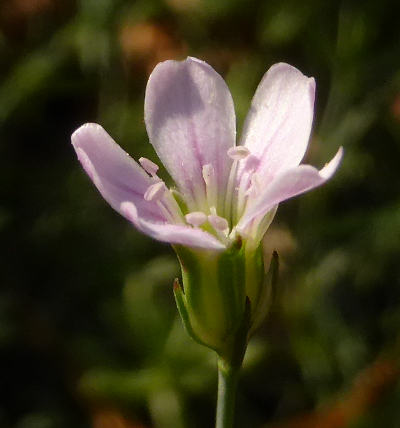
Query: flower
point(224, 192)
point(226, 195)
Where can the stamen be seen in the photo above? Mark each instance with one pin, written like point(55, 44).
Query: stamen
point(159, 193)
point(149, 166)
point(155, 192)
point(211, 184)
point(196, 218)
point(166, 212)
point(233, 194)
point(238, 153)
point(230, 189)
point(219, 223)
point(172, 205)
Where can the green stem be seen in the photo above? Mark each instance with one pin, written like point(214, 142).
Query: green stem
point(227, 386)
point(229, 364)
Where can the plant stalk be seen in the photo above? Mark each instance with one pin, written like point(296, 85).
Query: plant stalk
point(227, 386)
point(229, 365)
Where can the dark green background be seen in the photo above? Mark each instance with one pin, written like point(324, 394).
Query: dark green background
point(89, 335)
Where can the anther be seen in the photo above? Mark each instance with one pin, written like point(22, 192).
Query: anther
point(238, 153)
point(149, 166)
point(218, 223)
point(196, 218)
point(155, 192)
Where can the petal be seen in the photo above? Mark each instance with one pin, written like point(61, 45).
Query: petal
point(278, 125)
point(190, 120)
point(172, 233)
point(288, 184)
point(116, 175)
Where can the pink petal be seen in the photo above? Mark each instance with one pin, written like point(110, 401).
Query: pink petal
point(288, 184)
point(190, 120)
point(116, 175)
point(172, 233)
point(278, 125)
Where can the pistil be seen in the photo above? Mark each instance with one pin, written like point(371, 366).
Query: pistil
point(247, 185)
point(242, 195)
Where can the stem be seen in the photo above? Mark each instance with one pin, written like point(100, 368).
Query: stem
point(227, 385)
point(229, 365)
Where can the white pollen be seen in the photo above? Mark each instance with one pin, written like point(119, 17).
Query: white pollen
point(149, 166)
point(155, 192)
point(238, 153)
point(218, 223)
point(196, 218)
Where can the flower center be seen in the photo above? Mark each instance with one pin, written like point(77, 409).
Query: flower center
point(239, 190)
point(240, 183)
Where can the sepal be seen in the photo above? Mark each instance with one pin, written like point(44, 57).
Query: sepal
point(181, 305)
point(267, 294)
point(213, 295)
point(233, 354)
point(225, 295)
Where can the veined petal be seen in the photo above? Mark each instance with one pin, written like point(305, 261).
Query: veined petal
point(115, 174)
point(172, 233)
point(278, 125)
point(190, 120)
point(288, 184)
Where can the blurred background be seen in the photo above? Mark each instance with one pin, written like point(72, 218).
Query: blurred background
point(89, 333)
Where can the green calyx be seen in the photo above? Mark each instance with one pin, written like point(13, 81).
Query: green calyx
point(212, 301)
point(225, 295)
point(266, 295)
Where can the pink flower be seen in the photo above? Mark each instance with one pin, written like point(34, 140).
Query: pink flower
point(223, 191)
